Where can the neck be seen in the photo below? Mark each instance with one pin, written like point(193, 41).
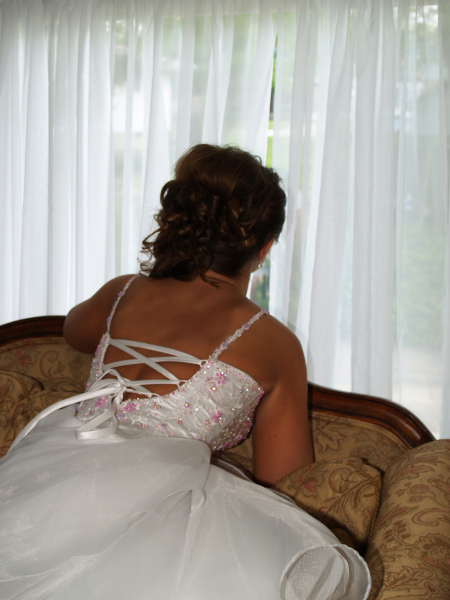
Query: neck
point(240, 282)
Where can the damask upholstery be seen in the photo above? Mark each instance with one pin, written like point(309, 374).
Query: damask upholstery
point(343, 494)
point(335, 437)
point(49, 360)
point(34, 374)
point(409, 549)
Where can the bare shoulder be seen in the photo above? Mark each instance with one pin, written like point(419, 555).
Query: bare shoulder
point(280, 351)
point(280, 334)
point(85, 323)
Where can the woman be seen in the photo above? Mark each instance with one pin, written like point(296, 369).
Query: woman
point(126, 503)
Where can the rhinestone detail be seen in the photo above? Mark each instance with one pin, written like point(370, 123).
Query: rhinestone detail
point(216, 405)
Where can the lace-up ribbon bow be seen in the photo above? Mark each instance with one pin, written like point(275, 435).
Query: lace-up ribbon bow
point(91, 430)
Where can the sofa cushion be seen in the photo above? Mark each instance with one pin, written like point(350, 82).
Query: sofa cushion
point(342, 494)
point(21, 398)
point(336, 436)
point(49, 360)
point(36, 372)
point(409, 552)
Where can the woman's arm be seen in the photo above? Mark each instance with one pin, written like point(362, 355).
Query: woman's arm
point(281, 436)
point(86, 322)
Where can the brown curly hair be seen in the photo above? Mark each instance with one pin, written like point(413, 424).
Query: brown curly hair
point(216, 214)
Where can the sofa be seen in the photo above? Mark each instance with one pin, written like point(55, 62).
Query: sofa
point(380, 480)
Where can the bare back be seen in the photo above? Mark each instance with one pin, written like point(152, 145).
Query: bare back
point(196, 317)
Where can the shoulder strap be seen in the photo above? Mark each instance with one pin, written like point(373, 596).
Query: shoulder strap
point(224, 345)
point(119, 297)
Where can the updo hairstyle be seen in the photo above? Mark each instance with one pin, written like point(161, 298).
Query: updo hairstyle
point(216, 214)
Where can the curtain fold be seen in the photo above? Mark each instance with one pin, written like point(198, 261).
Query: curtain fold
point(373, 213)
point(348, 101)
point(444, 133)
point(361, 271)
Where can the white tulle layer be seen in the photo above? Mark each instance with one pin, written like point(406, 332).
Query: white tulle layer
point(149, 517)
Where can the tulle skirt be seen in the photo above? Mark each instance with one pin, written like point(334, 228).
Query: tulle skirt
point(150, 517)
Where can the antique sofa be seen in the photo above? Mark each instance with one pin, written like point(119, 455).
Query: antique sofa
point(380, 481)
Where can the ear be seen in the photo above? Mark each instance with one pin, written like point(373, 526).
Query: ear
point(264, 251)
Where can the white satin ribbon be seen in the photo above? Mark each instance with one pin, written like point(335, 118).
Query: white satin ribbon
point(90, 430)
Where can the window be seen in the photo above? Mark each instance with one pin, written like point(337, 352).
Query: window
point(97, 100)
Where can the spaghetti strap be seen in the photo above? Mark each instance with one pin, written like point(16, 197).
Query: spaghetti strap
point(224, 345)
point(119, 297)
point(101, 370)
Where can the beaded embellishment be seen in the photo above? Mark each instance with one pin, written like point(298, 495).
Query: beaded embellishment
point(216, 405)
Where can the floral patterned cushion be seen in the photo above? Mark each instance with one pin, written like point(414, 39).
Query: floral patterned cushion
point(342, 494)
point(339, 437)
point(21, 399)
point(335, 437)
point(16, 391)
point(50, 361)
point(35, 373)
point(409, 552)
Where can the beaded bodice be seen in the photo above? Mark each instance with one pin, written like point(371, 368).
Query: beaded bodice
point(216, 405)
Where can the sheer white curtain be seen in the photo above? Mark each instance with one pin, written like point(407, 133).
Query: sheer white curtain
point(97, 100)
point(361, 134)
point(99, 97)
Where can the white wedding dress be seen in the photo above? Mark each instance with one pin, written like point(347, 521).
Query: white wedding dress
point(126, 505)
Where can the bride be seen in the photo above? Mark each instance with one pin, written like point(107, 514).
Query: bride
point(112, 494)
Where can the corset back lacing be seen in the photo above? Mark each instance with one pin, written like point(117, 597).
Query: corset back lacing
point(104, 385)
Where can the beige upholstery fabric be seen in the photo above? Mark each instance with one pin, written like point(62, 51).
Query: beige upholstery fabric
point(16, 392)
point(409, 551)
point(50, 361)
point(339, 437)
point(35, 373)
point(335, 437)
point(342, 494)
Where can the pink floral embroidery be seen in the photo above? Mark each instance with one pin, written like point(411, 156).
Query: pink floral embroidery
point(220, 378)
point(216, 416)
